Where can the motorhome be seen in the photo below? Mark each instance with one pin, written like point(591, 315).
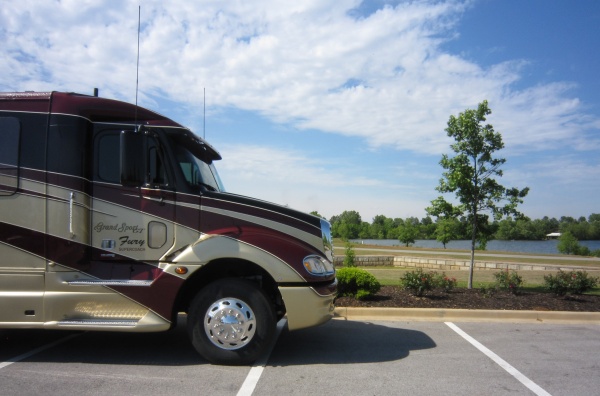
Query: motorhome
point(113, 217)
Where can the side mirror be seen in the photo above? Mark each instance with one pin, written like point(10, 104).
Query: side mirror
point(133, 161)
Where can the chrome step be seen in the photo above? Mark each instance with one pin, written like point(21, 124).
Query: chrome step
point(97, 322)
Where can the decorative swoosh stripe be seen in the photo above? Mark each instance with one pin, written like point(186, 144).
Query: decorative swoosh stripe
point(70, 254)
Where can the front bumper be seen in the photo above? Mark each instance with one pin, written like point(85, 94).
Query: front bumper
point(308, 306)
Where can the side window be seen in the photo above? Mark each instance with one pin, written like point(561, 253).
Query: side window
point(188, 166)
point(107, 157)
point(190, 172)
point(107, 161)
point(10, 131)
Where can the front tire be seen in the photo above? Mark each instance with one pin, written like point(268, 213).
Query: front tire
point(231, 321)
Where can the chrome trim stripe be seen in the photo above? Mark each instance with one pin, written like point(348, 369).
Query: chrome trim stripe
point(103, 282)
point(96, 322)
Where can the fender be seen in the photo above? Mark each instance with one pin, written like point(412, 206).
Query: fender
point(213, 247)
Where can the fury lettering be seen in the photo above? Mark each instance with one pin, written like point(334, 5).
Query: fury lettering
point(125, 241)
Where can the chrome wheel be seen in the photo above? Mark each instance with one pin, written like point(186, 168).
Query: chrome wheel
point(229, 323)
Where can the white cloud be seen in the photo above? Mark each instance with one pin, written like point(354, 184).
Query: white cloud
point(295, 179)
point(313, 64)
point(382, 77)
point(564, 185)
point(259, 165)
point(566, 172)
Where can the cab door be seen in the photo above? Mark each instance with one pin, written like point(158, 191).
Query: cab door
point(131, 227)
point(132, 221)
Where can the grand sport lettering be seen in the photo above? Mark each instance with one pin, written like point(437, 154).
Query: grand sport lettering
point(121, 228)
point(113, 217)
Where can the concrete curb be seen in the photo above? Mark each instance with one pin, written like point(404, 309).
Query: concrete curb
point(464, 315)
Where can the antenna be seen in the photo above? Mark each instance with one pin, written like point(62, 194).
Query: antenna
point(137, 67)
point(204, 116)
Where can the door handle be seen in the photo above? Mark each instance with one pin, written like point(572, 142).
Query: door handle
point(160, 200)
point(71, 203)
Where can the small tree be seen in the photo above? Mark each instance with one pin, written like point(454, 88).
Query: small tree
point(568, 244)
point(407, 233)
point(446, 230)
point(349, 256)
point(470, 176)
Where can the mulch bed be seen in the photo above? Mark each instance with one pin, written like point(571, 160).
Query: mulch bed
point(396, 297)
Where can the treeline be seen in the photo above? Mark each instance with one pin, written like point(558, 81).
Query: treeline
point(349, 225)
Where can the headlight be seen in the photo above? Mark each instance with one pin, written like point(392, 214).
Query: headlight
point(318, 266)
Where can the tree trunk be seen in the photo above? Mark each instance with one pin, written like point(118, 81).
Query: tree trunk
point(473, 236)
point(473, 208)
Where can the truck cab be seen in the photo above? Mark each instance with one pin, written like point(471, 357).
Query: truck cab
point(113, 217)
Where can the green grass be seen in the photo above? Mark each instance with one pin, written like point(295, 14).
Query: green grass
point(508, 257)
point(533, 280)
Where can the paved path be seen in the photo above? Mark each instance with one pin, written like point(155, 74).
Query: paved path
point(478, 254)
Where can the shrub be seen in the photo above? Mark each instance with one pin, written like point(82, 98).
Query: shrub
point(363, 294)
point(583, 251)
point(444, 282)
point(349, 256)
point(417, 281)
point(357, 283)
point(569, 282)
point(509, 280)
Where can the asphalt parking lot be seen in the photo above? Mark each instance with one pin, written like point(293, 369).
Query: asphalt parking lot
point(341, 357)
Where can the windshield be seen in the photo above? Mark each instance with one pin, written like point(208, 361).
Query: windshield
point(195, 159)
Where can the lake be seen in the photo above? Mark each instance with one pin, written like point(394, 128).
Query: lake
point(535, 247)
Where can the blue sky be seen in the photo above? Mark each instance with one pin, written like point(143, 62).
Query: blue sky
point(334, 105)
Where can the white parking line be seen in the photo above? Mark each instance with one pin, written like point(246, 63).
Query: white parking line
point(256, 371)
point(535, 388)
point(36, 351)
